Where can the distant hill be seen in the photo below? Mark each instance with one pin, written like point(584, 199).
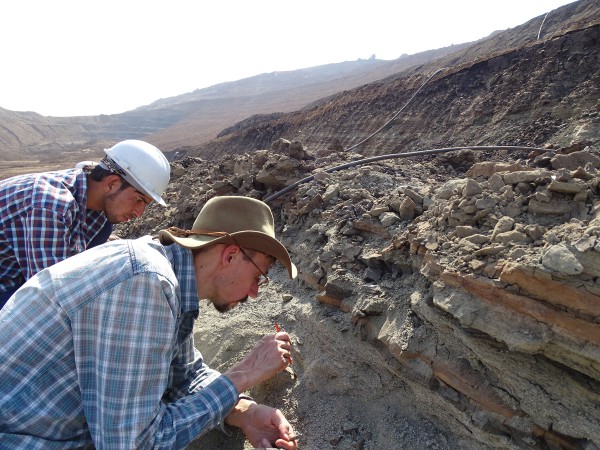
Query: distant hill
point(28, 138)
point(344, 101)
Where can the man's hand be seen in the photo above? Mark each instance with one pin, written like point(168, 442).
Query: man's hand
point(263, 426)
point(269, 356)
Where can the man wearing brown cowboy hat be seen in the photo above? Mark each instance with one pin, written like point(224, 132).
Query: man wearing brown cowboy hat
point(98, 349)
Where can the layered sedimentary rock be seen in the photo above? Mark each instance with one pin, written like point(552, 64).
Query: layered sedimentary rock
point(476, 290)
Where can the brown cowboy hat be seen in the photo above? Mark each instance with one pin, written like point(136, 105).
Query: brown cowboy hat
point(249, 221)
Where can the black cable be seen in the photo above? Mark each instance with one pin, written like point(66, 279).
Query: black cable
point(397, 112)
point(399, 155)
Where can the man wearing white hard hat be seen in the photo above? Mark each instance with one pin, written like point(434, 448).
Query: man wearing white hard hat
point(98, 350)
point(50, 216)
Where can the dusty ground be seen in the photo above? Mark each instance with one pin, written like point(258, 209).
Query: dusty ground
point(340, 399)
point(15, 164)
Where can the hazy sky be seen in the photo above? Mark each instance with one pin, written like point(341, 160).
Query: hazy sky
point(89, 57)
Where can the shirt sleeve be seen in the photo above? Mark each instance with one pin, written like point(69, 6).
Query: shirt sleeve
point(125, 341)
point(47, 239)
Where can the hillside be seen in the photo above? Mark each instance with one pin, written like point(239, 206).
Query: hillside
point(30, 142)
point(511, 89)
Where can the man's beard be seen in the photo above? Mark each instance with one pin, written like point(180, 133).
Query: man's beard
point(226, 308)
point(110, 200)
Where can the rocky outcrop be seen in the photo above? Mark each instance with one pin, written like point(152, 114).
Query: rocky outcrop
point(476, 289)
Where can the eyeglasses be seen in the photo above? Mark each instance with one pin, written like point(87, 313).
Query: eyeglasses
point(263, 279)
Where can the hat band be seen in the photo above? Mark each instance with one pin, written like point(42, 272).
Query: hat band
point(179, 232)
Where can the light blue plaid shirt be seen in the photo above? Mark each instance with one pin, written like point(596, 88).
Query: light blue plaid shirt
point(97, 351)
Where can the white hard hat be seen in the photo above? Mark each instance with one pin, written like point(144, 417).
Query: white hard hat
point(142, 165)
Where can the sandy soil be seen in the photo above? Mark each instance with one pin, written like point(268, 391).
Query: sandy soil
point(329, 406)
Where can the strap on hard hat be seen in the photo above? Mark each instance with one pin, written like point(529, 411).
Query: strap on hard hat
point(112, 166)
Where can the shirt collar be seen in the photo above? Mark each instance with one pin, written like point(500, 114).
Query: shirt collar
point(182, 261)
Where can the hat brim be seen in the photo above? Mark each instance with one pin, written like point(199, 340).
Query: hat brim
point(254, 240)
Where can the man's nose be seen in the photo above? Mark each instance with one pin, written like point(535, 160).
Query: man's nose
point(138, 211)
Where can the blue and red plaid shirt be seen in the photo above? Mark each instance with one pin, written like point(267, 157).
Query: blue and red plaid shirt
point(43, 220)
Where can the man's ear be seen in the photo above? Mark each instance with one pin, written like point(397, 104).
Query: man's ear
point(112, 183)
point(228, 253)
